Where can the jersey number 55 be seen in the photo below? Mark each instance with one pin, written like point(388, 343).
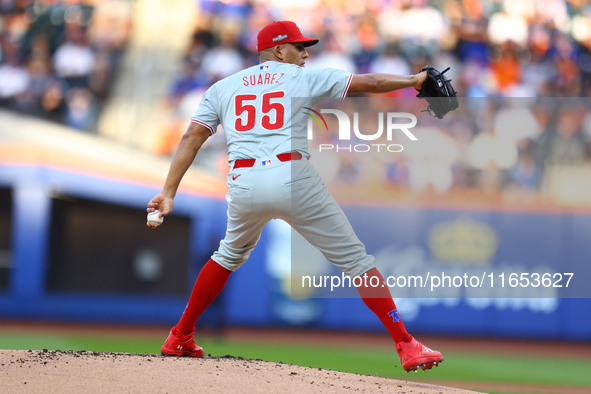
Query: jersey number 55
point(272, 112)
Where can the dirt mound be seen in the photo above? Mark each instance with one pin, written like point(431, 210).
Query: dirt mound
point(55, 371)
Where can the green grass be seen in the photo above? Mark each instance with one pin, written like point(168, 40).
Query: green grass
point(458, 366)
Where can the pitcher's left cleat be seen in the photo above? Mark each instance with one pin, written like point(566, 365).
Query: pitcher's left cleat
point(415, 355)
point(178, 344)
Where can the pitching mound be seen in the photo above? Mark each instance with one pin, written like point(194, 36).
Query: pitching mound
point(88, 372)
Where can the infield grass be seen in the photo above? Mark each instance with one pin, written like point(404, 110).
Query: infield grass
point(376, 362)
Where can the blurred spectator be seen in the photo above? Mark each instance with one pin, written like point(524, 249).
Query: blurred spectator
point(52, 102)
point(14, 79)
point(81, 110)
point(566, 145)
point(349, 169)
point(397, 172)
point(186, 82)
point(507, 26)
point(416, 25)
point(333, 55)
point(505, 66)
point(110, 26)
point(221, 62)
point(432, 161)
point(389, 61)
point(470, 30)
point(515, 122)
point(369, 44)
point(74, 60)
point(527, 174)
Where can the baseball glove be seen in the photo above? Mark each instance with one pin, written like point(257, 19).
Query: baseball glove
point(438, 92)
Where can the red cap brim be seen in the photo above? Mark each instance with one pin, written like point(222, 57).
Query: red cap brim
point(305, 41)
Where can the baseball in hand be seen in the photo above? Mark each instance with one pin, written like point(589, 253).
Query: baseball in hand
point(154, 220)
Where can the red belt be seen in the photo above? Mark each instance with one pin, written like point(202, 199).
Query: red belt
point(289, 156)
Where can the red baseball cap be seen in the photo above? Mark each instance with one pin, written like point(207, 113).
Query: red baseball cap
point(281, 32)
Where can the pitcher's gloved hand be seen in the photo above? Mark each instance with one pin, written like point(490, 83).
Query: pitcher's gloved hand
point(438, 92)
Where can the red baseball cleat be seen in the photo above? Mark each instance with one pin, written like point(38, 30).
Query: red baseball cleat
point(178, 344)
point(415, 355)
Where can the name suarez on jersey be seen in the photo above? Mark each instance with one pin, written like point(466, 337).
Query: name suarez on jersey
point(262, 79)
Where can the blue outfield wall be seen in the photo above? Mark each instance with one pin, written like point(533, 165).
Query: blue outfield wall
point(28, 297)
point(413, 242)
point(405, 241)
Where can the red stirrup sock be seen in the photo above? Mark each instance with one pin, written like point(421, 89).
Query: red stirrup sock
point(209, 284)
point(379, 300)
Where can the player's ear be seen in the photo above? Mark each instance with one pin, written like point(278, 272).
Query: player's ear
point(278, 52)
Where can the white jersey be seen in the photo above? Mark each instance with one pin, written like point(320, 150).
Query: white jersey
point(254, 106)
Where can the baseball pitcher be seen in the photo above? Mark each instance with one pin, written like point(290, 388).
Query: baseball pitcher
point(271, 178)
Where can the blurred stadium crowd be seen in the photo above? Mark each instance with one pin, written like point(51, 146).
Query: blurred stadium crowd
point(496, 48)
point(58, 58)
point(509, 150)
point(521, 48)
